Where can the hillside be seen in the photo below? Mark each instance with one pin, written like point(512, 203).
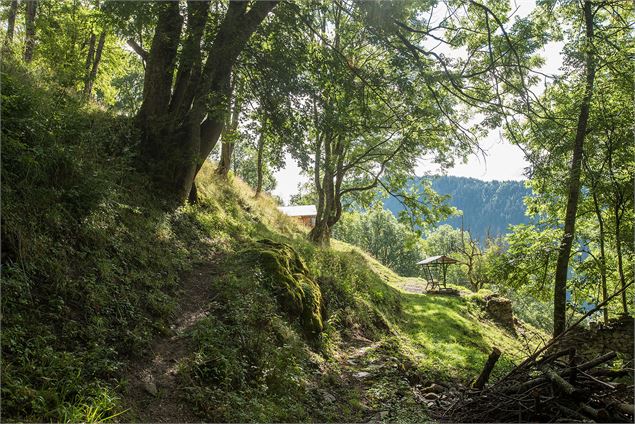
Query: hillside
point(142, 281)
point(489, 207)
point(116, 306)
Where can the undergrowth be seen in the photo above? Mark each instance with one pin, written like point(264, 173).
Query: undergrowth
point(90, 259)
point(91, 265)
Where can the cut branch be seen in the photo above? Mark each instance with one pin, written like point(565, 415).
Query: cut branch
point(487, 369)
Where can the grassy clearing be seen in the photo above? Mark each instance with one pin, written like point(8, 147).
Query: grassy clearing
point(450, 337)
point(453, 337)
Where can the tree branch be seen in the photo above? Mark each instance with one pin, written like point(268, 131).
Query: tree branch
point(138, 49)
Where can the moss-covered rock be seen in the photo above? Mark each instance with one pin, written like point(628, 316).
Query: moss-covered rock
point(289, 279)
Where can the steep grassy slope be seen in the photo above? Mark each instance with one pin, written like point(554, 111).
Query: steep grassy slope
point(115, 306)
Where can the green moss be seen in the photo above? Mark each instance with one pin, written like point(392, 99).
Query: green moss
point(290, 281)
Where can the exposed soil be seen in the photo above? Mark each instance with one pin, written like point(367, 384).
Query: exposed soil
point(153, 393)
point(373, 384)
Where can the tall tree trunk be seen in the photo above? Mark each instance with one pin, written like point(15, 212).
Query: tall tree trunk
point(231, 39)
point(89, 57)
point(618, 247)
point(189, 71)
point(320, 234)
point(339, 179)
point(152, 117)
point(230, 134)
point(159, 152)
point(13, 11)
point(261, 148)
point(562, 265)
point(605, 294)
point(317, 168)
point(29, 31)
point(88, 86)
point(618, 210)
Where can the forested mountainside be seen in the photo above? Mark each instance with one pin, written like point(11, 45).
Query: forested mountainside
point(489, 207)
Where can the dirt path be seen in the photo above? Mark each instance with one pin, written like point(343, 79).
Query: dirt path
point(359, 373)
point(153, 394)
point(413, 285)
point(371, 382)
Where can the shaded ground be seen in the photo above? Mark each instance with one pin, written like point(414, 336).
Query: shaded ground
point(369, 382)
point(153, 392)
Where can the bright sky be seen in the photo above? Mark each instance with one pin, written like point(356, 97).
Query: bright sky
point(503, 160)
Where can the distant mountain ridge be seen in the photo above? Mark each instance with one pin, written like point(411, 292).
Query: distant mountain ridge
point(488, 206)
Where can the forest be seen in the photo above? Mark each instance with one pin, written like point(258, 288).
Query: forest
point(487, 208)
point(148, 274)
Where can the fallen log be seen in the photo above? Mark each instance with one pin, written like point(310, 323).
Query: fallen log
point(591, 364)
point(570, 413)
point(530, 384)
point(625, 408)
point(562, 384)
point(487, 369)
point(610, 373)
point(527, 385)
point(596, 414)
point(552, 356)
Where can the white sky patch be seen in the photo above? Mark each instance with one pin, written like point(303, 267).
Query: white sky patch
point(289, 179)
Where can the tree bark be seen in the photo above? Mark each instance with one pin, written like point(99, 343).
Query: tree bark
point(317, 168)
point(231, 39)
point(139, 50)
point(320, 234)
point(189, 71)
point(29, 31)
point(89, 57)
point(562, 265)
point(230, 134)
point(618, 247)
point(88, 86)
point(177, 136)
point(159, 153)
point(13, 11)
point(618, 211)
point(605, 294)
point(261, 148)
point(152, 117)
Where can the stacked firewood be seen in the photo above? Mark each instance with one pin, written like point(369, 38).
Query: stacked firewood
point(557, 387)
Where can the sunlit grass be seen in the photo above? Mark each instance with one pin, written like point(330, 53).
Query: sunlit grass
point(96, 409)
point(453, 336)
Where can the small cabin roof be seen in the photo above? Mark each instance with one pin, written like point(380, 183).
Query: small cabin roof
point(301, 210)
point(437, 260)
